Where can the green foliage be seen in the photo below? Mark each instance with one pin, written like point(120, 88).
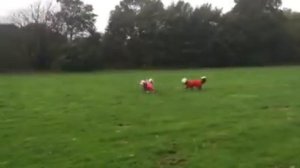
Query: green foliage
point(243, 118)
point(145, 34)
point(41, 45)
point(131, 38)
point(75, 19)
point(11, 49)
point(44, 46)
point(256, 7)
point(181, 36)
point(83, 55)
point(292, 26)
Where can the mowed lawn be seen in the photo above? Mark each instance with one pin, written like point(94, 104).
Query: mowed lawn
point(244, 118)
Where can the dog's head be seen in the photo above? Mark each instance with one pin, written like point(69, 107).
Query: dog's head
point(183, 80)
point(142, 82)
point(151, 80)
point(203, 79)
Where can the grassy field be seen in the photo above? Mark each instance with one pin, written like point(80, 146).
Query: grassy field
point(244, 118)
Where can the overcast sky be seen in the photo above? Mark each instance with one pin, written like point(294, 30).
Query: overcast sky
point(103, 7)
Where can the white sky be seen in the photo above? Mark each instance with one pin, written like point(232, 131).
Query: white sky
point(103, 7)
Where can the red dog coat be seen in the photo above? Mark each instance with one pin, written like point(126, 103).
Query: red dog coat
point(190, 84)
point(148, 86)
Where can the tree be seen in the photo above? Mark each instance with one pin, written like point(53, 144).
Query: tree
point(83, 54)
point(143, 33)
point(41, 45)
point(37, 13)
point(174, 34)
point(75, 19)
point(132, 32)
point(36, 37)
point(11, 49)
point(292, 26)
point(253, 34)
point(203, 26)
point(253, 7)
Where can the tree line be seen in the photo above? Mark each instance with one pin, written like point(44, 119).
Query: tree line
point(147, 34)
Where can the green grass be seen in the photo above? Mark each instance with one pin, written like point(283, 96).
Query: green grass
point(244, 118)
